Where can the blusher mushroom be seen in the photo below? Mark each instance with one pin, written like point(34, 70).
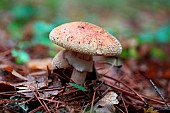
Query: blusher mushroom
point(59, 61)
point(82, 40)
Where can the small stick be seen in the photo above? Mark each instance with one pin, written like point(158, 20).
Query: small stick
point(39, 100)
point(142, 99)
point(125, 92)
point(92, 102)
point(158, 92)
point(39, 96)
point(94, 94)
point(124, 103)
point(119, 109)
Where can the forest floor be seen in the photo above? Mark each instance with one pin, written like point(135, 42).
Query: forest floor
point(35, 87)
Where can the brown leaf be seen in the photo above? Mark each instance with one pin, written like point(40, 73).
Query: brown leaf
point(8, 74)
point(6, 86)
point(7, 68)
point(38, 81)
point(39, 63)
point(166, 74)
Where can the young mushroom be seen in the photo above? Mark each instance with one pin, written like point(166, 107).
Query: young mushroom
point(82, 40)
point(59, 61)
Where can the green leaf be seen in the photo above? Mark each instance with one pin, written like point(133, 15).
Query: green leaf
point(109, 30)
point(16, 30)
point(24, 44)
point(163, 34)
point(39, 112)
point(129, 53)
point(42, 28)
point(125, 53)
point(158, 53)
point(14, 53)
point(78, 86)
point(44, 41)
point(60, 20)
point(20, 56)
point(52, 53)
point(133, 53)
point(41, 33)
point(23, 11)
point(146, 37)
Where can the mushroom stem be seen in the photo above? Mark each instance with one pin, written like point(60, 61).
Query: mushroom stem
point(82, 64)
point(78, 77)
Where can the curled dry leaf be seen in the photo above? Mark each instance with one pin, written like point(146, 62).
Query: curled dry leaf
point(109, 99)
point(105, 105)
point(6, 68)
point(39, 63)
point(11, 72)
point(150, 110)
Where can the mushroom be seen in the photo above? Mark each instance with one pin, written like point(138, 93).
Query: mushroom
point(59, 61)
point(82, 40)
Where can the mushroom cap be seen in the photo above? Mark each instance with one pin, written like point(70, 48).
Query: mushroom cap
point(86, 38)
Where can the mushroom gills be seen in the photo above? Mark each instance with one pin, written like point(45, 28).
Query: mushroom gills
point(81, 62)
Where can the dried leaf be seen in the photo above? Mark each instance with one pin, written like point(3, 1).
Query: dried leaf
point(150, 110)
point(105, 105)
point(12, 71)
point(109, 99)
point(39, 63)
point(7, 68)
point(38, 81)
point(18, 75)
point(6, 86)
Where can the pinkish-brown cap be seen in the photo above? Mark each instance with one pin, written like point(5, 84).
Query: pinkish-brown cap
point(87, 38)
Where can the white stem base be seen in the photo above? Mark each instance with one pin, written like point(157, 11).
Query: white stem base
point(78, 77)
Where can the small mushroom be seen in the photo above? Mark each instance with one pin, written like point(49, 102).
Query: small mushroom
point(82, 40)
point(59, 61)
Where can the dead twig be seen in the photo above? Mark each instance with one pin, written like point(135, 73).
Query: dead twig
point(38, 99)
point(125, 92)
point(158, 92)
point(111, 78)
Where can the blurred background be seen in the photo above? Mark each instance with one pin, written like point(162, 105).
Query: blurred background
point(143, 27)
